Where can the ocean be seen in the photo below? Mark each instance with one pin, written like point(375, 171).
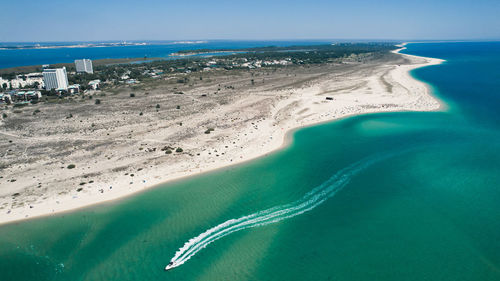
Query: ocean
point(153, 49)
point(386, 196)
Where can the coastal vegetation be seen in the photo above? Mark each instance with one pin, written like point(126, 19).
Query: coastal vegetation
point(113, 72)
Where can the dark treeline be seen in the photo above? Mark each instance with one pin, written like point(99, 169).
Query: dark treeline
point(339, 47)
point(315, 54)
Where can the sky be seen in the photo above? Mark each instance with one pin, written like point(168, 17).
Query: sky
point(98, 20)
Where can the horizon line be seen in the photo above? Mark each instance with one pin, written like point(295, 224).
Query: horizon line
point(280, 39)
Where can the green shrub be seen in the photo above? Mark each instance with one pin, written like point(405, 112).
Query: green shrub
point(179, 150)
point(132, 95)
point(97, 101)
point(71, 166)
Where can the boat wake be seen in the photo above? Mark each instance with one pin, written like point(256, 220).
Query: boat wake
point(309, 201)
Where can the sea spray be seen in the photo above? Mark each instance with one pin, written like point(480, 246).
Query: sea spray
point(309, 201)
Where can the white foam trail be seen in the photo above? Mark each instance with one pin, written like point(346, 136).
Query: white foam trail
point(275, 214)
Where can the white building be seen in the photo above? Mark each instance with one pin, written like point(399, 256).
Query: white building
point(34, 94)
point(34, 80)
point(74, 89)
point(55, 78)
point(94, 84)
point(26, 80)
point(5, 98)
point(4, 81)
point(84, 65)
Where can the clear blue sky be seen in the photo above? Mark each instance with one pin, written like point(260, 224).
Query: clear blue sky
point(86, 20)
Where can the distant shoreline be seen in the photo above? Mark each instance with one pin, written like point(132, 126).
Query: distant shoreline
point(89, 45)
point(195, 53)
point(94, 45)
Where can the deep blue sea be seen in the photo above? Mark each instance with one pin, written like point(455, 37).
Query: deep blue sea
point(23, 57)
point(389, 196)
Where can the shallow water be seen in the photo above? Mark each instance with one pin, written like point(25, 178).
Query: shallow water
point(421, 203)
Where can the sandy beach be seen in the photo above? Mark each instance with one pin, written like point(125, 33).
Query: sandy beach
point(126, 145)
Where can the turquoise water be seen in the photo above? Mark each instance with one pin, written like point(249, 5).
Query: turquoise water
point(390, 196)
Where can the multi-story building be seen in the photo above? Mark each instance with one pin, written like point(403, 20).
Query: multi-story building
point(84, 65)
point(34, 80)
point(55, 78)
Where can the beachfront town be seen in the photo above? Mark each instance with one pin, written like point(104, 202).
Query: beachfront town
point(25, 88)
point(82, 78)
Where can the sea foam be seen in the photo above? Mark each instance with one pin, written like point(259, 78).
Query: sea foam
point(309, 201)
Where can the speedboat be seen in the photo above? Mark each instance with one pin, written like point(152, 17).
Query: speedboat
point(170, 266)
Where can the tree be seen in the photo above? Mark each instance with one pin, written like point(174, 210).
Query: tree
point(4, 86)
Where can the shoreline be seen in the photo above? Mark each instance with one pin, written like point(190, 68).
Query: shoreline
point(101, 45)
point(280, 140)
point(442, 104)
